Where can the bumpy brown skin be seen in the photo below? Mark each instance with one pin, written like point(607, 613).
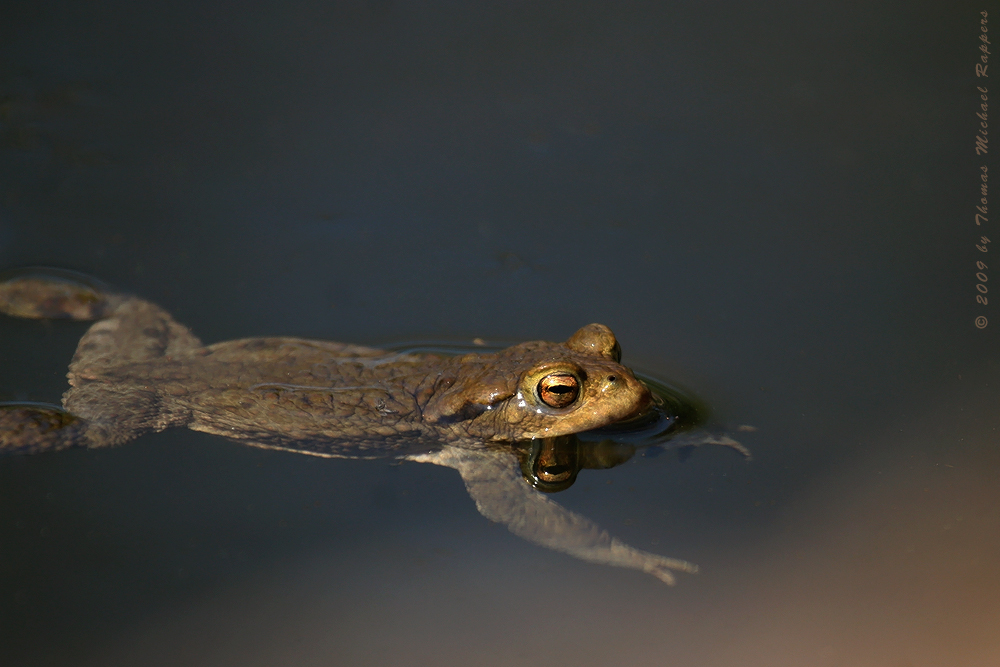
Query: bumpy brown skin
point(321, 397)
point(137, 370)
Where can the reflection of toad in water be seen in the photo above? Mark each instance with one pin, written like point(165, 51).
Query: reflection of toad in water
point(499, 418)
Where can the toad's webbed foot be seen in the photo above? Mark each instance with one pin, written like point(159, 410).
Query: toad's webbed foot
point(688, 442)
point(43, 293)
point(30, 428)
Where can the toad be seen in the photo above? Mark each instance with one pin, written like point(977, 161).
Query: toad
point(500, 419)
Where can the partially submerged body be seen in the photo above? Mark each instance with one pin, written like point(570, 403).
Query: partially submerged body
point(136, 370)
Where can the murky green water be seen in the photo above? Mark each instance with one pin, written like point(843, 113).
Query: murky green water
point(772, 206)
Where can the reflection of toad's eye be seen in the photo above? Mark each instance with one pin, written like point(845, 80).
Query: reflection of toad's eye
point(558, 390)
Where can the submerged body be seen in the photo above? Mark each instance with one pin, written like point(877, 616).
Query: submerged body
point(137, 370)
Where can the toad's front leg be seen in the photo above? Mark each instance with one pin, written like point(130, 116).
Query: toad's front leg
point(493, 480)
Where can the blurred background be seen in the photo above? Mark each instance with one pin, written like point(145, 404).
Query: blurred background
point(771, 205)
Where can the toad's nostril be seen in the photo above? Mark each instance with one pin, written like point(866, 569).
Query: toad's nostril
point(612, 378)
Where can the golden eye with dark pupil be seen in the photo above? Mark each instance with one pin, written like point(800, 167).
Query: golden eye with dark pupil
point(558, 390)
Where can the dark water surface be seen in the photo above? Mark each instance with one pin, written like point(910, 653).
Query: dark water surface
point(771, 204)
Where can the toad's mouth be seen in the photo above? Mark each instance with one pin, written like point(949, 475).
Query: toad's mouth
point(669, 411)
point(642, 408)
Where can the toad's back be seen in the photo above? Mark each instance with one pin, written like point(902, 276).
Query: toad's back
point(298, 393)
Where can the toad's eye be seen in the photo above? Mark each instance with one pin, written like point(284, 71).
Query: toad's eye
point(558, 390)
